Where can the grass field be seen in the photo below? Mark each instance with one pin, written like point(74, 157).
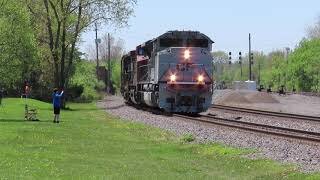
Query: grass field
point(89, 144)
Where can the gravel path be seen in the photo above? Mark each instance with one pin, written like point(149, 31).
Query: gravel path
point(305, 155)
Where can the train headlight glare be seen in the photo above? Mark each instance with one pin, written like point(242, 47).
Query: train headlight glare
point(200, 78)
point(187, 54)
point(173, 78)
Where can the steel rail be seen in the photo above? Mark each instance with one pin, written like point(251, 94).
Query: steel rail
point(267, 113)
point(259, 128)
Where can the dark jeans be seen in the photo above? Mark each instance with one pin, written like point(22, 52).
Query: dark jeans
point(56, 110)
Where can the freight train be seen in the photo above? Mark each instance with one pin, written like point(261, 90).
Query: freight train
point(172, 72)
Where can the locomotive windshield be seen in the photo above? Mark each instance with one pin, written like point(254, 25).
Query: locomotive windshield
point(197, 43)
point(170, 42)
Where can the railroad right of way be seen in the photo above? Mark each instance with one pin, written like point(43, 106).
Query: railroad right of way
point(306, 155)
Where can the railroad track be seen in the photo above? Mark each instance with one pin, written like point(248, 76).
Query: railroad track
point(267, 113)
point(259, 128)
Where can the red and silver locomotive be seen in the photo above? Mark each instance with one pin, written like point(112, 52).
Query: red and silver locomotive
point(172, 72)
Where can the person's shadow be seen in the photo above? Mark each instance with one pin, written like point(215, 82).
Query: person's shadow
point(22, 121)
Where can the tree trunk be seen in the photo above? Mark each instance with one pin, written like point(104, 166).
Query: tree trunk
point(74, 40)
point(63, 55)
point(51, 44)
point(56, 74)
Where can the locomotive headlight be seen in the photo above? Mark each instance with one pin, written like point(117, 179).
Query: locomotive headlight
point(200, 78)
point(187, 54)
point(173, 78)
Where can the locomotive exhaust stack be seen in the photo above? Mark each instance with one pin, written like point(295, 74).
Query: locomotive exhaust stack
point(171, 72)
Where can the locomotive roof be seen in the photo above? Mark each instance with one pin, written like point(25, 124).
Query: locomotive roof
point(178, 35)
point(183, 34)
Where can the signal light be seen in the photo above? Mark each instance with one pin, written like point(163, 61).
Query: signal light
point(187, 54)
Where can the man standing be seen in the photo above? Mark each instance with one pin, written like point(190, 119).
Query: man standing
point(56, 104)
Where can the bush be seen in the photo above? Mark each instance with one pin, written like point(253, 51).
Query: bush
point(100, 86)
point(85, 80)
point(188, 138)
point(116, 73)
point(89, 95)
point(75, 91)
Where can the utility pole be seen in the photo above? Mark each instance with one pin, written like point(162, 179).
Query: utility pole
point(109, 64)
point(259, 79)
point(240, 62)
point(219, 69)
point(250, 56)
point(97, 46)
point(286, 75)
point(318, 83)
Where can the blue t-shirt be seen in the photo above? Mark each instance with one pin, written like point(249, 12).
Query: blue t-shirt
point(57, 99)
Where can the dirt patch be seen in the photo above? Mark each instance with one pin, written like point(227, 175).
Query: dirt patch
point(261, 97)
point(295, 103)
point(246, 97)
point(233, 97)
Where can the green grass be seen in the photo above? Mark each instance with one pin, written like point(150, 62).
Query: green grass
point(89, 144)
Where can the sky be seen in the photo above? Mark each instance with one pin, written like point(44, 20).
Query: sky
point(273, 24)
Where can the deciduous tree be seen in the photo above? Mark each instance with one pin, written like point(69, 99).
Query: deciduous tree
point(18, 53)
point(65, 20)
point(313, 32)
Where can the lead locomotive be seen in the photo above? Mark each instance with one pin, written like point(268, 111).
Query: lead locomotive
point(172, 72)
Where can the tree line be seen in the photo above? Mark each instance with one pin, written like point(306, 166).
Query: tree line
point(39, 40)
point(297, 69)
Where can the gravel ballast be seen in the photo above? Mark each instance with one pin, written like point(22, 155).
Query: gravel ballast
point(300, 124)
point(305, 155)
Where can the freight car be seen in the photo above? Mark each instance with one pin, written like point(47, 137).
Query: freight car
point(172, 72)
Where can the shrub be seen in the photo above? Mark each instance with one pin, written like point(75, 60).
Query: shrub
point(100, 86)
point(116, 73)
point(85, 80)
point(187, 138)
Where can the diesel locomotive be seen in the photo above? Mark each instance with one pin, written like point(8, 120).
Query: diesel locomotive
point(172, 72)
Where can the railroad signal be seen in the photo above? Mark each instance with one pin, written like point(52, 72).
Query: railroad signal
point(251, 58)
point(240, 62)
point(230, 57)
